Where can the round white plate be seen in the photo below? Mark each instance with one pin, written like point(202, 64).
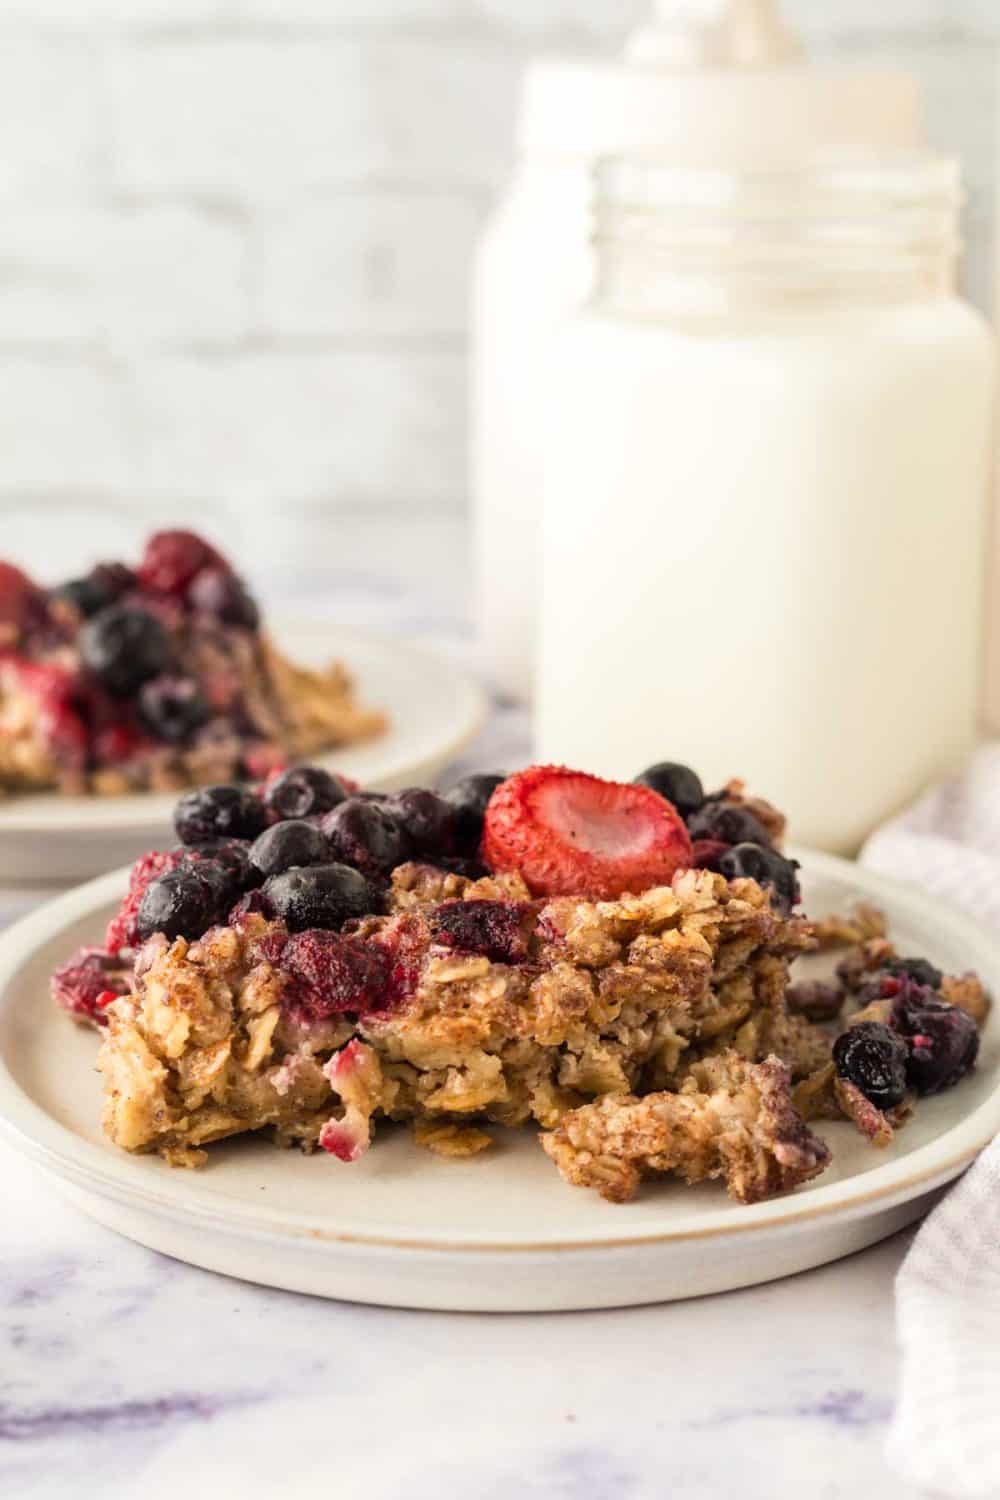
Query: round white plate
point(500, 1232)
point(434, 710)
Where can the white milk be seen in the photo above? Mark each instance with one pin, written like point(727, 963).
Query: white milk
point(683, 86)
point(767, 456)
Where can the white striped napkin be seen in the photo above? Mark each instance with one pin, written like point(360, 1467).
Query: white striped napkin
point(945, 1435)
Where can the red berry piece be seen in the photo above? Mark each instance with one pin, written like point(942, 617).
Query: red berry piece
point(88, 982)
point(330, 975)
point(22, 603)
point(58, 695)
point(494, 929)
point(572, 834)
point(173, 558)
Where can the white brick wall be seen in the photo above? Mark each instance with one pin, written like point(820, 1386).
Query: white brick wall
point(235, 238)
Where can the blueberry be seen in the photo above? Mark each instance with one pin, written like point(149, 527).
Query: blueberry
point(100, 587)
point(873, 1058)
point(917, 969)
point(943, 1039)
point(184, 902)
point(767, 867)
point(467, 800)
point(172, 708)
point(679, 784)
point(233, 856)
point(365, 834)
point(427, 820)
point(302, 791)
point(729, 822)
point(293, 842)
point(214, 812)
point(320, 896)
point(221, 593)
point(124, 648)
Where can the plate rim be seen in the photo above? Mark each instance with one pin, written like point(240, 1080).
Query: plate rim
point(35, 814)
point(84, 1163)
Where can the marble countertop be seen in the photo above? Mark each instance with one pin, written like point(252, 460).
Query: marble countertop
point(126, 1374)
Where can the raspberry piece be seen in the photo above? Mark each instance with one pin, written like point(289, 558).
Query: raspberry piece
point(331, 974)
point(117, 744)
point(123, 931)
point(57, 692)
point(173, 558)
point(572, 834)
point(22, 603)
point(88, 982)
point(492, 928)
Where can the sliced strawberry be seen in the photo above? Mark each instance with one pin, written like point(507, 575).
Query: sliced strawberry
point(572, 834)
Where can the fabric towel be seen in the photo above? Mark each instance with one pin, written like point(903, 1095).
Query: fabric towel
point(945, 1435)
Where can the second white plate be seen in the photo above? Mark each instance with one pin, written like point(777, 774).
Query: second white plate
point(502, 1231)
point(434, 710)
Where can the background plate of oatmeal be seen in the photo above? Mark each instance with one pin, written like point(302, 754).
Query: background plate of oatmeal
point(433, 711)
point(499, 1232)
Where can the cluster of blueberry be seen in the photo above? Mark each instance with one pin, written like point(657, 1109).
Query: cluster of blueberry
point(124, 640)
point(727, 837)
point(314, 853)
point(927, 1044)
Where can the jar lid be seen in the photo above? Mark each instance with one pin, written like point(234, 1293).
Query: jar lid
point(583, 109)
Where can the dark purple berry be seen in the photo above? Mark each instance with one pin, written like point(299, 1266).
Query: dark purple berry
point(293, 842)
point(679, 784)
point(304, 791)
point(234, 856)
point(917, 969)
point(492, 928)
point(321, 896)
point(873, 1058)
point(729, 822)
point(172, 708)
point(218, 592)
point(427, 820)
point(769, 868)
point(219, 812)
point(102, 586)
point(468, 799)
point(365, 834)
point(943, 1039)
point(184, 902)
point(124, 648)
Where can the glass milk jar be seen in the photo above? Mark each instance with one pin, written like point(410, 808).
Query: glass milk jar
point(766, 448)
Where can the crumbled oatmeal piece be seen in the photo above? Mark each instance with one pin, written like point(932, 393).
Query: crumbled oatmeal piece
point(826, 1096)
point(968, 993)
point(445, 1138)
point(219, 1037)
point(733, 1120)
point(847, 930)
